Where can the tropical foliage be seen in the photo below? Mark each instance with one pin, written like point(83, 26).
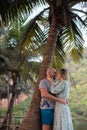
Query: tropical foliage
point(70, 38)
point(62, 29)
point(77, 101)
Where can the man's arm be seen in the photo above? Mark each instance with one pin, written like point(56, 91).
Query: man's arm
point(51, 97)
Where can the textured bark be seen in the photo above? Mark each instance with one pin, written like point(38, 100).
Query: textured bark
point(8, 118)
point(32, 120)
point(9, 111)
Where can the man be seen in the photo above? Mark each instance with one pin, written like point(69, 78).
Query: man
point(47, 100)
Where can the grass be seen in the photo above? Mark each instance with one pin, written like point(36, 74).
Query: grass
point(78, 95)
point(18, 111)
point(22, 107)
point(78, 103)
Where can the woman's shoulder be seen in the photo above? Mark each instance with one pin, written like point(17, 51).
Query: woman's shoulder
point(65, 82)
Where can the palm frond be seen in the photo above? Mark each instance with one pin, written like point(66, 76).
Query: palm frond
point(5, 63)
point(59, 57)
point(77, 10)
point(78, 18)
point(74, 2)
point(34, 35)
point(35, 42)
point(31, 71)
point(9, 9)
point(73, 40)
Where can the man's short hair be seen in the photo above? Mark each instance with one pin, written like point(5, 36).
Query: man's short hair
point(50, 69)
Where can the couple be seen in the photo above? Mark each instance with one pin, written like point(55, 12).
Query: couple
point(54, 107)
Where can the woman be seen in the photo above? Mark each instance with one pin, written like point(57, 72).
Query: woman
point(62, 116)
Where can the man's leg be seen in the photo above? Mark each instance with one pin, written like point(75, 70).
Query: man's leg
point(46, 127)
point(51, 128)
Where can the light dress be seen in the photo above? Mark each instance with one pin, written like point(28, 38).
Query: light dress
point(62, 115)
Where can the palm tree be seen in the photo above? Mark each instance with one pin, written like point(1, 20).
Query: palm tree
point(55, 29)
point(59, 24)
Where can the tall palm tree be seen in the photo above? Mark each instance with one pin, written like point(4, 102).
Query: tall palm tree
point(56, 26)
point(59, 24)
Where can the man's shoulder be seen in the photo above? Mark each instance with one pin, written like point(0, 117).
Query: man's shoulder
point(43, 80)
point(43, 83)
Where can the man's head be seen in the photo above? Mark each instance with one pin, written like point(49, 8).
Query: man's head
point(51, 72)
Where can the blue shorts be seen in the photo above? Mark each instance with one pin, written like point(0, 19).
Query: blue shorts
point(47, 116)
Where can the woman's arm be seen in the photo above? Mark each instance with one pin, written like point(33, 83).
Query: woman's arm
point(49, 96)
point(55, 89)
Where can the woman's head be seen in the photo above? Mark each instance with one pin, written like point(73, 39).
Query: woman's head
point(62, 74)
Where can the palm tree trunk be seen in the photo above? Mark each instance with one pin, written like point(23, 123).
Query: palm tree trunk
point(8, 117)
point(32, 120)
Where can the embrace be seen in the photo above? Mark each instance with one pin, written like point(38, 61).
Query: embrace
point(55, 112)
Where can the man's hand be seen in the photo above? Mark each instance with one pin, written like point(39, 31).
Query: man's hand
point(50, 80)
point(63, 101)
